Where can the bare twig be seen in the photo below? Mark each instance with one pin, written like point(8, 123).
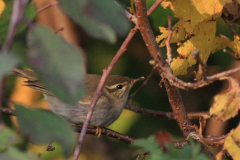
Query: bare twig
point(47, 6)
point(170, 32)
point(168, 115)
point(202, 66)
point(210, 141)
point(107, 132)
point(8, 111)
point(16, 18)
point(143, 84)
point(232, 54)
point(97, 94)
point(202, 124)
point(154, 6)
point(59, 30)
point(201, 83)
point(131, 17)
point(230, 24)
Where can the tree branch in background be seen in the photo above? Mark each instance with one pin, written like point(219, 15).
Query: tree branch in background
point(46, 7)
point(168, 115)
point(230, 24)
point(170, 32)
point(16, 18)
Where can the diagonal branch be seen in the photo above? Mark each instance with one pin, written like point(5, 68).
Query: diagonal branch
point(106, 73)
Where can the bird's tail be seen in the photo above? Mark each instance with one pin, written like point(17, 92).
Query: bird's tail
point(32, 80)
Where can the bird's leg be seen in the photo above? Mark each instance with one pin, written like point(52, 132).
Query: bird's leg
point(99, 131)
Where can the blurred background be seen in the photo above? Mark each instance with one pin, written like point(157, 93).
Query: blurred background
point(134, 63)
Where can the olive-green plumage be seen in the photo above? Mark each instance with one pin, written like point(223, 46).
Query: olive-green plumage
point(108, 108)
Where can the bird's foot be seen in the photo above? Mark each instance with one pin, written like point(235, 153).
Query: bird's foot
point(99, 131)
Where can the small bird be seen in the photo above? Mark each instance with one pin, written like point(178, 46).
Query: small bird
point(108, 108)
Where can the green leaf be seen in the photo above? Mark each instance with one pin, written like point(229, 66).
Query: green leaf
point(8, 137)
point(13, 153)
point(101, 19)
point(151, 146)
point(190, 152)
point(7, 62)
point(42, 126)
point(58, 64)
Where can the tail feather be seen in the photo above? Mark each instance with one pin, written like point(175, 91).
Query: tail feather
point(32, 80)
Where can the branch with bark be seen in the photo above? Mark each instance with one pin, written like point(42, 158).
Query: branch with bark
point(174, 96)
point(211, 140)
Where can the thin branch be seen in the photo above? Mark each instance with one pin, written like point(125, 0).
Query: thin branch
point(143, 84)
point(103, 79)
point(131, 17)
point(202, 124)
point(8, 111)
point(107, 132)
point(232, 54)
point(202, 66)
point(170, 32)
point(154, 6)
point(16, 17)
point(211, 140)
point(201, 83)
point(230, 24)
point(46, 7)
point(168, 115)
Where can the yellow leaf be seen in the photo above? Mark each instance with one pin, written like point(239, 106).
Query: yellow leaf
point(179, 66)
point(131, 9)
point(226, 103)
point(195, 11)
point(2, 6)
point(232, 144)
point(178, 34)
point(203, 40)
point(220, 43)
point(164, 34)
point(235, 46)
point(219, 155)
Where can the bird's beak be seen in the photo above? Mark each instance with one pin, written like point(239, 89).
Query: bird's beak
point(138, 79)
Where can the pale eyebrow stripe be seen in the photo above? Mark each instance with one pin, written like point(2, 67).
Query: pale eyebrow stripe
point(115, 85)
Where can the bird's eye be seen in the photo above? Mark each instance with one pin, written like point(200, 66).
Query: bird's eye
point(119, 86)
